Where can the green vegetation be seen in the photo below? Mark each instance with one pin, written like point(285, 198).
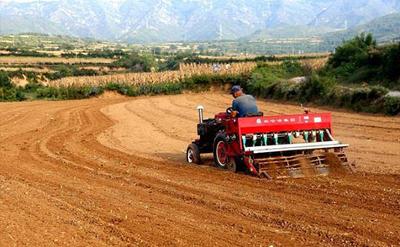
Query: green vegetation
point(197, 59)
point(136, 62)
point(106, 53)
point(358, 77)
point(361, 60)
point(62, 71)
point(36, 41)
point(195, 83)
point(151, 89)
point(25, 53)
point(64, 93)
point(8, 92)
point(321, 90)
point(34, 90)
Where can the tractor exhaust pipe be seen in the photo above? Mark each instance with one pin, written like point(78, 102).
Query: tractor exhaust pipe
point(200, 109)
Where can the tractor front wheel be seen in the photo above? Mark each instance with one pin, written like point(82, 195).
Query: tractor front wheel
point(221, 158)
point(193, 154)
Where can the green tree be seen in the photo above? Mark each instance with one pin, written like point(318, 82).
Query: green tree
point(138, 62)
point(391, 62)
point(352, 54)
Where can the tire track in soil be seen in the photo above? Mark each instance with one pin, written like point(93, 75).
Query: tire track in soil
point(201, 98)
point(97, 190)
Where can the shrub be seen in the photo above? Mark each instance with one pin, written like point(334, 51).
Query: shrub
point(154, 89)
point(392, 105)
point(361, 60)
point(292, 68)
point(68, 92)
point(11, 94)
point(391, 62)
point(32, 87)
point(353, 52)
point(316, 88)
point(137, 62)
point(5, 80)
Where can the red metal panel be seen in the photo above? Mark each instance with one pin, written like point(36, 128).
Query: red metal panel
point(284, 123)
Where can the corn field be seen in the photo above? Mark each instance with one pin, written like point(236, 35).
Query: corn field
point(316, 63)
point(185, 71)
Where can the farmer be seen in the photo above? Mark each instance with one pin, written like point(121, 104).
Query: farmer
point(243, 105)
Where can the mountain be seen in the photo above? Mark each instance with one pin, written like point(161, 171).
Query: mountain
point(288, 32)
point(172, 20)
point(384, 29)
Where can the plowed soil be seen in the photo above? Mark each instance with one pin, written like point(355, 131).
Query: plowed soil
point(111, 171)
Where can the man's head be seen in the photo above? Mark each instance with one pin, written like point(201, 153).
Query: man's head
point(236, 91)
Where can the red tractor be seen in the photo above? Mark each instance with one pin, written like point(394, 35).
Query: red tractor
point(270, 146)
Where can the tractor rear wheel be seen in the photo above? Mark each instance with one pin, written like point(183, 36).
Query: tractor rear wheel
point(193, 154)
point(221, 158)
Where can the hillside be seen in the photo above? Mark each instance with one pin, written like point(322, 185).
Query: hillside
point(36, 41)
point(288, 32)
point(384, 29)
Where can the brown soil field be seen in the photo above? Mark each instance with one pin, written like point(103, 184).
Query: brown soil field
point(111, 171)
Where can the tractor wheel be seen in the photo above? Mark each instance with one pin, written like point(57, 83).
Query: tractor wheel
point(221, 158)
point(193, 154)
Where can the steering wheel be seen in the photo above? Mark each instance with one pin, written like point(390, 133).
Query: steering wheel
point(229, 110)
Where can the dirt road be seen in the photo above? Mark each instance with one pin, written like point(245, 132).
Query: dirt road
point(110, 172)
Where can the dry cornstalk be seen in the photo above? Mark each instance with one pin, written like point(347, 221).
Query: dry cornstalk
point(185, 70)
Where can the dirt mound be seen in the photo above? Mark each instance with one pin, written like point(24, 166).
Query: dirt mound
point(110, 172)
point(111, 95)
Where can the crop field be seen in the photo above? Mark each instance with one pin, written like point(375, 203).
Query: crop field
point(111, 171)
point(185, 70)
point(316, 63)
point(10, 60)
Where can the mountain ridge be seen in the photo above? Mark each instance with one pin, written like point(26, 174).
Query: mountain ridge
point(183, 20)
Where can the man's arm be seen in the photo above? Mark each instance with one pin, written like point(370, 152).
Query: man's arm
point(235, 108)
point(234, 105)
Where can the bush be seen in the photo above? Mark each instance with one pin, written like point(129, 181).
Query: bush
point(32, 87)
point(353, 53)
point(11, 94)
point(69, 70)
point(68, 92)
point(392, 105)
point(391, 62)
point(5, 80)
point(203, 82)
point(292, 68)
point(137, 62)
point(316, 88)
point(360, 60)
point(265, 79)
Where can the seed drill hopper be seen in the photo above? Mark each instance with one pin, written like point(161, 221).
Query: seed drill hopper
point(271, 146)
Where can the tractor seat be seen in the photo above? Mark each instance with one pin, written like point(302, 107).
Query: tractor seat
point(258, 114)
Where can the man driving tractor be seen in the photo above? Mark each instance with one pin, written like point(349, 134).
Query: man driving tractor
point(243, 105)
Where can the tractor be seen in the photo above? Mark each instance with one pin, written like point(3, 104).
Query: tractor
point(271, 147)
